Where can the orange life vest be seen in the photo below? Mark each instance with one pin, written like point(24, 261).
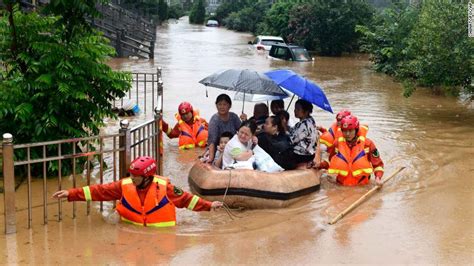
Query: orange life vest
point(157, 210)
point(192, 135)
point(352, 166)
point(328, 137)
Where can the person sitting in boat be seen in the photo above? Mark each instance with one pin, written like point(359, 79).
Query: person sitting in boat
point(275, 142)
point(277, 106)
point(284, 118)
point(260, 114)
point(144, 199)
point(223, 140)
point(238, 152)
point(355, 157)
point(190, 128)
point(303, 136)
point(222, 121)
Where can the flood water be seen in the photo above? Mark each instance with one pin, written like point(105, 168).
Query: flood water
point(423, 215)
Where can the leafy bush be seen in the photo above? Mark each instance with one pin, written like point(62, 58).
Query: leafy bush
point(386, 39)
point(227, 7)
point(162, 10)
point(248, 18)
point(198, 13)
point(428, 46)
point(276, 19)
point(54, 83)
point(175, 11)
point(328, 27)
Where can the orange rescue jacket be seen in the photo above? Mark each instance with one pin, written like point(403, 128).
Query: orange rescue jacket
point(157, 210)
point(352, 166)
point(192, 135)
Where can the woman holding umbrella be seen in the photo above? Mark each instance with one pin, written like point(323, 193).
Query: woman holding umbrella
point(222, 121)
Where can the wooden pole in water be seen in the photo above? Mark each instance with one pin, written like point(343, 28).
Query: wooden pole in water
point(364, 197)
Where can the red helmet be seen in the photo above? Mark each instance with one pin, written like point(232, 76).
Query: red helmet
point(349, 122)
point(184, 108)
point(343, 113)
point(143, 166)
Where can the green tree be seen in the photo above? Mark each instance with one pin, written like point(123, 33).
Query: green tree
point(426, 46)
point(440, 54)
point(229, 6)
point(275, 21)
point(198, 13)
point(386, 39)
point(54, 83)
point(248, 18)
point(175, 11)
point(162, 10)
point(329, 26)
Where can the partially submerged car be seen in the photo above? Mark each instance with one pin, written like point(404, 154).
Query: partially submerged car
point(289, 52)
point(212, 23)
point(262, 42)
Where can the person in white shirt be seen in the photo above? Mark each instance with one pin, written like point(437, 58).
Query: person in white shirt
point(238, 151)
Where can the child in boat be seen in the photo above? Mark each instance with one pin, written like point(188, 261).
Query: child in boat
point(238, 152)
point(223, 140)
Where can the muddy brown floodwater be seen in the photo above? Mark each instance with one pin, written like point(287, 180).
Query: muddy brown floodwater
point(424, 215)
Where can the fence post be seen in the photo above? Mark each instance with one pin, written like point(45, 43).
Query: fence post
point(159, 140)
point(125, 142)
point(9, 184)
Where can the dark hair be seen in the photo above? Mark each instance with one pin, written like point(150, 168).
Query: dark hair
point(283, 114)
point(260, 110)
point(276, 121)
point(226, 134)
point(224, 97)
point(278, 103)
point(305, 105)
point(250, 124)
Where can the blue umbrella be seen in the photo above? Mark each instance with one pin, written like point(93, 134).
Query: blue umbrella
point(300, 86)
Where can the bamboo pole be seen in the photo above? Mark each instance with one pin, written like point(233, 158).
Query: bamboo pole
point(364, 197)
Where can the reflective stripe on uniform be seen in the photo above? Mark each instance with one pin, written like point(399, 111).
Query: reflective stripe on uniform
point(358, 172)
point(341, 139)
point(379, 168)
point(361, 138)
point(87, 193)
point(193, 202)
point(367, 150)
point(337, 171)
point(127, 181)
point(186, 146)
point(325, 142)
point(160, 181)
point(130, 222)
point(162, 224)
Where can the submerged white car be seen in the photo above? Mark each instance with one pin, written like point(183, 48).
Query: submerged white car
point(262, 42)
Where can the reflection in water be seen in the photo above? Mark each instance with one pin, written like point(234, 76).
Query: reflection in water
point(425, 214)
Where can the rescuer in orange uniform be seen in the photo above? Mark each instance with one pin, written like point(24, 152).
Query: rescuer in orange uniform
point(190, 128)
point(329, 135)
point(354, 157)
point(144, 199)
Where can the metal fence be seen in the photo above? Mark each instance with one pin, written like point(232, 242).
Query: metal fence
point(146, 91)
point(104, 156)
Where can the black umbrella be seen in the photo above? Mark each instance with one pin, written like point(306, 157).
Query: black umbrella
point(243, 80)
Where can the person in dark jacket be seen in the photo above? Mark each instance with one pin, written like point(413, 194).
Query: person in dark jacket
point(275, 142)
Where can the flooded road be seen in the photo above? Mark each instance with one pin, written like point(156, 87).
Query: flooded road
point(424, 215)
